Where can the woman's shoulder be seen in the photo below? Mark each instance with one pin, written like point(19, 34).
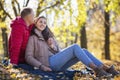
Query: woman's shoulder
point(32, 37)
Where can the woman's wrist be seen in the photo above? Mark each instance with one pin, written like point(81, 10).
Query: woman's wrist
point(40, 66)
point(52, 46)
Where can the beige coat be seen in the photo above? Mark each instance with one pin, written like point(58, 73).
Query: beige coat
point(38, 51)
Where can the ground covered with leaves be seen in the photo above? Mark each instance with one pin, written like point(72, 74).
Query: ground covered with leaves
point(10, 73)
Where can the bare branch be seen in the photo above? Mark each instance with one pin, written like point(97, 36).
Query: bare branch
point(52, 6)
point(14, 8)
point(18, 5)
point(27, 2)
point(1, 5)
point(49, 7)
point(39, 7)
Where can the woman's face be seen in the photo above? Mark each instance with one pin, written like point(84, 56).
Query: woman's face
point(41, 24)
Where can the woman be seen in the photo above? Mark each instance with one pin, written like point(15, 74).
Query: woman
point(43, 52)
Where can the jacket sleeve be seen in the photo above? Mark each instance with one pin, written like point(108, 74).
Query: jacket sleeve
point(29, 55)
point(16, 42)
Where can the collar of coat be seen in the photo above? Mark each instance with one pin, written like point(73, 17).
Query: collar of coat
point(39, 34)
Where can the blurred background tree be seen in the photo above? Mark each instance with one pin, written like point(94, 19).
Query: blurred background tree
point(16, 8)
point(93, 24)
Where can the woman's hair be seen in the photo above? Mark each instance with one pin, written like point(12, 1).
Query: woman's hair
point(47, 33)
point(26, 11)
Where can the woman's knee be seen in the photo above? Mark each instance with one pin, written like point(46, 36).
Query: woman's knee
point(76, 46)
point(84, 49)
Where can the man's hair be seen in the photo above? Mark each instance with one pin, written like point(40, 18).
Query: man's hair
point(26, 11)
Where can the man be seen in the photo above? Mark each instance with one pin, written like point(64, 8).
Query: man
point(20, 33)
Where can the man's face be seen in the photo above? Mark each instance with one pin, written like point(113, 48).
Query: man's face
point(30, 18)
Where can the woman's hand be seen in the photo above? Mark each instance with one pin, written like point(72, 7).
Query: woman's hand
point(51, 42)
point(45, 68)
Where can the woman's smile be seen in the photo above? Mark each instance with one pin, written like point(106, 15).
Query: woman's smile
point(41, 24)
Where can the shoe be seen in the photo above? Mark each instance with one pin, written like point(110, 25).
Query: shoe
point(112, 71)
point(101, 73)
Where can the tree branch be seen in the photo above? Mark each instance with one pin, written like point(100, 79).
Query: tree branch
point(26, 4)
point(1, 5)
point(39, 7)
point(14, 8)
point(18, 5)
point(52, 6)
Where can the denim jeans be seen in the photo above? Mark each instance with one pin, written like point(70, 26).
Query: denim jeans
point(71, 55)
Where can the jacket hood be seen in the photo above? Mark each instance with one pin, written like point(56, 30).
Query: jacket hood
point(18, 21)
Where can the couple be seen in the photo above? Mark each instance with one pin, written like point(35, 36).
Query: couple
point(32, 42)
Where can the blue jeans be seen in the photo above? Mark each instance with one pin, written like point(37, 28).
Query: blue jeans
point(71, 55)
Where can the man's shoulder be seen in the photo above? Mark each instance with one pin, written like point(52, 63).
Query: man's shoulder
point(18, 22)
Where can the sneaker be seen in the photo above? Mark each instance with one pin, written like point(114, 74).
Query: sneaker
point(101, 73)
point(112, 71)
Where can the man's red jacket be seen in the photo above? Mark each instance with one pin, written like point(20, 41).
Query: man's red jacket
point(19, 36)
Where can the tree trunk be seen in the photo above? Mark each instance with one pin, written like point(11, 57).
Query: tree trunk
point(83, 37)
point(76, 37)
point(5, 42)
point(107, 36)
